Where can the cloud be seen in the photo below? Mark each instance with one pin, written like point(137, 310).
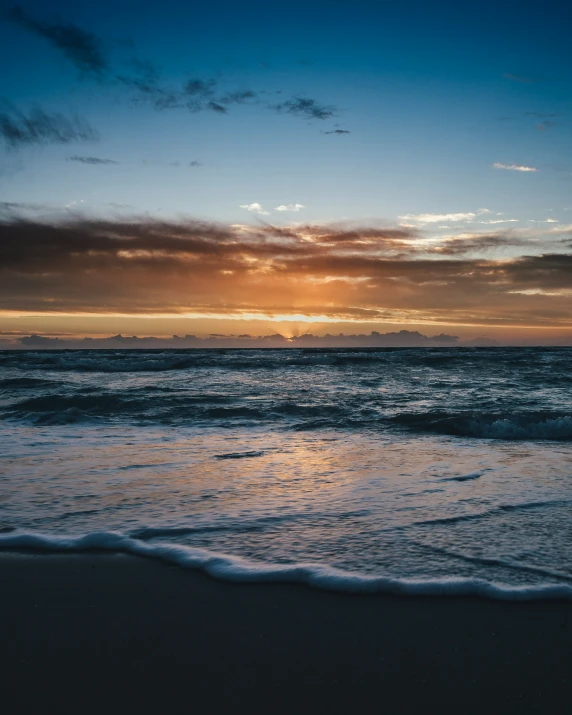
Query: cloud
point(340, 271)
point(195, 163)
point(338, 131)
point(255, 208)
point(21, 206)
point(81, 48)
point(403, 338)
point(289, 207)
point(306, 108)
point(200, 88)
point(514, 167)
point(217, 107)
point(86, 52)
point(194, 95)
point(470, 244)
point(438, 218)
point(40, 127)
point(240, 97)
point(91, 160)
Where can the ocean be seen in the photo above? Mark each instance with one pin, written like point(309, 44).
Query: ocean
point(424, 471)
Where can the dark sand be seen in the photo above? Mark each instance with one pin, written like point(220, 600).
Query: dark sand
point(116, 634)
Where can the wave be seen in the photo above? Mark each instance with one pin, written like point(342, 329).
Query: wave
point(443, 520)
point(262, 523)
point(521, 426)
point(141, 361)
point(322, 576)
point(54, 409)
point(184, 407)
point(15, 383)
point(498, 561)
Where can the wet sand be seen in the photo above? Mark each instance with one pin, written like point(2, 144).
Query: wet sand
point(118, 634)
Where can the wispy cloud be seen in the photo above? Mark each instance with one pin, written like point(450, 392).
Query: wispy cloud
point(81, 48)
point(500, 220)
point(255, 208)
point(514, 167)
point(39, 127)
point(338, 131)
point(289, 207)
point(306, 108)
point(239, 97)
point(87, 53)
point(91, 160)
point(440, 218)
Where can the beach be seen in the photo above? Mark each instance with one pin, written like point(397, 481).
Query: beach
point(96, 633)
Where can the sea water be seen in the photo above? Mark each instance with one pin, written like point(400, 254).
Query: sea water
point(402, 470)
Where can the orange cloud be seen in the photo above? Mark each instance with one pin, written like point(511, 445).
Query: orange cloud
point(334, 271)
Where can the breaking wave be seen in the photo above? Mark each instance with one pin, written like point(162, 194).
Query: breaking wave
point(322, 576)
point(523, 426)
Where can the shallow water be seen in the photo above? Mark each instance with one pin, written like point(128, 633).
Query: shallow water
point(443, 469)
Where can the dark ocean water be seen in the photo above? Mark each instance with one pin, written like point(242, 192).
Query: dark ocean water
point(386, 469)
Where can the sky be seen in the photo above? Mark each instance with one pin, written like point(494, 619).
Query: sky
point(177, 167)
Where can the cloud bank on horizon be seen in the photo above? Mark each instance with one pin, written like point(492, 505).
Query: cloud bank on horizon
point(332, 272)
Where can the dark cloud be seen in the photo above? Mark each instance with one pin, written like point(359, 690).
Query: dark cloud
point(199, 88)
point(480, 243)
point(195, 163)
point(145, 84)
point(91, 160)
point(217, 107)
point(240, 97)
point(86, 52)
point(80, 47)
point(403, 338)
point(359, 272)
point(40, 127)
point(307, 108)
point(338, 131)
point(195, 95)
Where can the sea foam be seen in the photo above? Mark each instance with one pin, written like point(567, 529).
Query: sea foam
point(236, 569)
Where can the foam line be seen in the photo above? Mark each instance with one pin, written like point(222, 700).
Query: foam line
point(231, 568)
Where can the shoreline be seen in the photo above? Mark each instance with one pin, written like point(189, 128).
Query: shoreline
point(235, 569)
point(96, 633)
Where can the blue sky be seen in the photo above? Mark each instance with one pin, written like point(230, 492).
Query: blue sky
point(439, 116)
point(434, 94)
